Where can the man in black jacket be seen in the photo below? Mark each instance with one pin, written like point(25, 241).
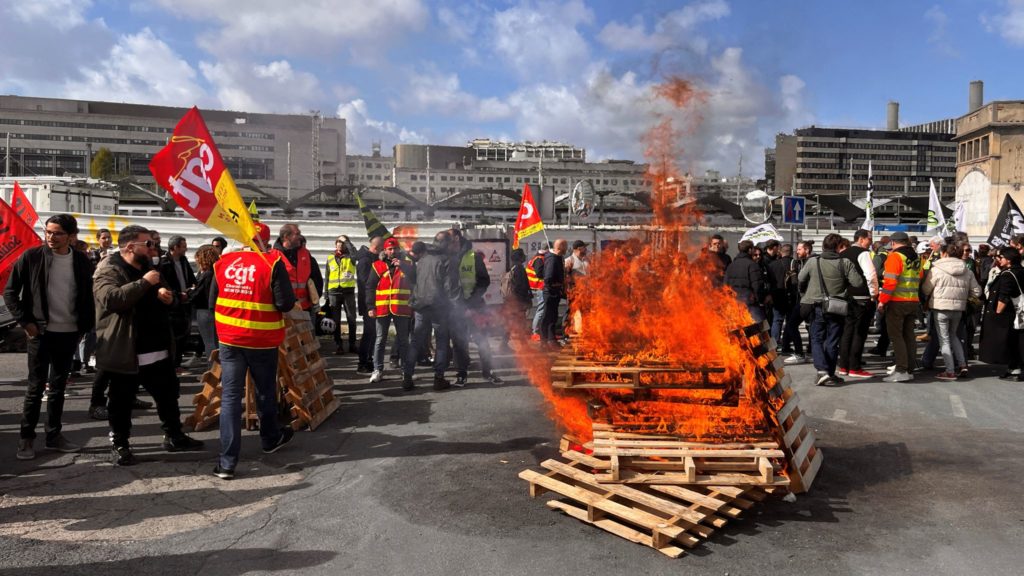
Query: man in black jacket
point(554, 290)
point(177, 273)
point(364, 266)
point(745, 278)
point(437, 287)
point(50, 295)
point(779, 273)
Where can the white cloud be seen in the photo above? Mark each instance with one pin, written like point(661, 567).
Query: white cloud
point(273, 87)
point(61, 14)
point(1009, 24)
point(364, 130)
point(434, 92)
point(140, 68)
point(542, 41)
point(674, 30)
point(939, 37)
point(303, 27)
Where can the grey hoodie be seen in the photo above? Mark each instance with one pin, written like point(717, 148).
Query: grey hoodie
point(838, 274)
point(948, 284)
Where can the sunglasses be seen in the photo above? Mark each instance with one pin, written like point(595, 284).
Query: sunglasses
point(148, 243)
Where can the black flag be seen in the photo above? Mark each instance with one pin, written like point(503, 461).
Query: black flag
point(1010, 221)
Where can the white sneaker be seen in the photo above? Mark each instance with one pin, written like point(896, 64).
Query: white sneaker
point(377, 376)
point(795, 359)
point(890, 369)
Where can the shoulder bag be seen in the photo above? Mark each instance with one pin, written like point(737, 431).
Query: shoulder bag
point(831, 305)
point(1018, 304)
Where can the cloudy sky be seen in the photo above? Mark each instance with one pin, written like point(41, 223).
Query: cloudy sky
point(578, 71)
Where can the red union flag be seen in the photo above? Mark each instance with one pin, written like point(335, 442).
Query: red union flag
point(192, 170)
point(21, 205)
point(15, 237)
point(528, 221)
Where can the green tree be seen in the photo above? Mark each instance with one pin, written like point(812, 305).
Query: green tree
point(102, 166)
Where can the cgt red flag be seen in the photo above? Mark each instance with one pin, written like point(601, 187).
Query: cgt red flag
point(15, 237)
point(192, 170)
point(21, 205)
point(528, 221)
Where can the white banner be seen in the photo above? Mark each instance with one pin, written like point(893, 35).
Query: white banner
point(762, 233)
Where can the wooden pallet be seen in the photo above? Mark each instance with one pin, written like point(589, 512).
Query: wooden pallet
point(571, 371)
point(666, 518)
point(302, 374)
point(624, 458)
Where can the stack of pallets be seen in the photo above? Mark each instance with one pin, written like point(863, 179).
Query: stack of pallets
point(669, 492)
point(303, 385)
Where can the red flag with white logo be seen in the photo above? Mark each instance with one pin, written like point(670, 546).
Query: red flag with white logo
point(192, 170)
point(15, 237)
point(21, 205)
point(528, 221)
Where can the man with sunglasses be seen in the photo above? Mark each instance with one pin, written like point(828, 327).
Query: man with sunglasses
point(134, 343)
point(50, 295)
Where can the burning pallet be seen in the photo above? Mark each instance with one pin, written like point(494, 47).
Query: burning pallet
point(638, 480)
point(302, 383)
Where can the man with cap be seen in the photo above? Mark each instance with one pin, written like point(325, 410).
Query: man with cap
point(387, 295)
point(898, 300)
point(249, 295)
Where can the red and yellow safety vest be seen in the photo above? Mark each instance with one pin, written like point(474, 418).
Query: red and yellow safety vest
point(299, 275)
point(536, 282)
point(392, 295)
point(245, 314)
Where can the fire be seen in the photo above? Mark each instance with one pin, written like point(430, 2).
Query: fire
point(649, 305)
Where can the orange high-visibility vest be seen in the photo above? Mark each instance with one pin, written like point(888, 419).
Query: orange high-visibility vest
point(299, 275)
point(536, 282)
point(245, 314)
point(392, 295)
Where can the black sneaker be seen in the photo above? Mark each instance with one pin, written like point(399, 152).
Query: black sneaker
point(286, 436)
point(365, 368)
point(183, 443)
point(122, 456)
point(425, 362)
point(141, 405)
point(440, 383)
point(460, 382)
point(223, 473)
point(492, 378)
point(407, 383)
point(98, 412)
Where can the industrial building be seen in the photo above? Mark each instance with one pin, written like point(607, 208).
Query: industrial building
point(275, 152)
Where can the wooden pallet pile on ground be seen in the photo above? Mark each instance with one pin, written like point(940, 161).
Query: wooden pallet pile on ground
point(303, 385)
point(669, 492)
point(301, 373)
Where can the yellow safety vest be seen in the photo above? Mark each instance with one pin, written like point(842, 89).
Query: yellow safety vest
point(908, 281)
point(467, 273)
point(341, 273)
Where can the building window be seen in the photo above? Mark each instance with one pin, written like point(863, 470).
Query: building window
point(984, 145)
point(412, 177)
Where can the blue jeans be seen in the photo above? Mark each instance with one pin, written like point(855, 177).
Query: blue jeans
point(779, 317)
point(261, 363)
point(538, 314)
point(946, 323)
point(791, 335)
point(402, 331)
point(424, 320)
point(826, 330)
point(207, 330)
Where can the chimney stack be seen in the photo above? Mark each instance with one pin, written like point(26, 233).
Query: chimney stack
point(893, 117)
point(976, 99)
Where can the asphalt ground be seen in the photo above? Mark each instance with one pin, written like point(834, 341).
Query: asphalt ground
point(918, 478)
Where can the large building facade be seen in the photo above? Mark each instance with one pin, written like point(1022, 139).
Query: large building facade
point(276, 152)
point(990, 161)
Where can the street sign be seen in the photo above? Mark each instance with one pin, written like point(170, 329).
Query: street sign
point(793, 209)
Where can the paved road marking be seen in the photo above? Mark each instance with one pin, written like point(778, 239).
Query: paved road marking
point(958, 406)
point(840, 416)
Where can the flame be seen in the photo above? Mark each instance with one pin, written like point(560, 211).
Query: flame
point(649, 304)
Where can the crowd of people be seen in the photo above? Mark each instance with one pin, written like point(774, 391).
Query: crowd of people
point(893, 287)
point(125, 313)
